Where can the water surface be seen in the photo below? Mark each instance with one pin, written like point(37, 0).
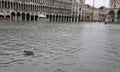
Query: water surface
point(59, 47)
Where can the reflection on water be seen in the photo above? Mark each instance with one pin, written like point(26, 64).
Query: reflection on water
point(59, 47)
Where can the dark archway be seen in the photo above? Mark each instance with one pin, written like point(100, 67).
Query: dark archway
point(50, 17)
point(5, 4)
point(28, 17)
point(67, 18)
point(13, 16)
point(16, 6)
point(8, 4)
point(1, 16)
point(32, 18)
point(57, 18)
point(62, 18)
point(11, 5)
point(0, 3)
point(112, 15)
point(76, 19)
point(47, 16)
point(72, 19)
point(8, 17)
point(53, 18)
point(118, 15)
point(23, 16)
point(36, 17)
point(79, 17)
point(88, 18)
point(18, 16)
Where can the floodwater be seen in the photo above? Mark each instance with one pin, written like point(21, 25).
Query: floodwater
point(59, 47)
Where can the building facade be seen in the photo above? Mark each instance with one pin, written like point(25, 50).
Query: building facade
point(75, 10)
point(29, 10)
point(113, 12)
point(82, 9)
point(94, 14)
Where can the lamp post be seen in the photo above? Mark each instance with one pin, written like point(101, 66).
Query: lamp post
point(93, 10)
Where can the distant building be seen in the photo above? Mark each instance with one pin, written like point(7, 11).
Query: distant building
point(102, 13)
point(94, 14)
point(82, 9)
point(77, 8)
point(113, 13)
point(29, 10)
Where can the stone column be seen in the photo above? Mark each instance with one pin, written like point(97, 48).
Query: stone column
point(115, 16)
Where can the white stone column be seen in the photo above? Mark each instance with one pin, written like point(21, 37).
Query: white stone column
point(116, 16)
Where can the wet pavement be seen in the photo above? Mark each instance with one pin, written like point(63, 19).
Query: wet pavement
point(59, 47)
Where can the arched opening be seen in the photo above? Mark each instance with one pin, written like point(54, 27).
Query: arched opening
point(67, 18)
point(8, 4)
point(13, 16)
point(16, 6)
point(8, 17)
point(112, 16)
point(5, 4)
point(72, 19)
point(18, 16)
point(53, 18)
point(47, 16)
point(88, 18)
point(19, 6)
point(22, 7)
point(62, 18)
point(28, 17)
point(23, 16)
point(79, 18)
point(32, 18)
point(56, 17)
point(1, 16)
point(0, 3)
point(76, 19)
point(36, 17)
point(11, 5)
point(118, 16)
point(59, 18)
point(50, 17)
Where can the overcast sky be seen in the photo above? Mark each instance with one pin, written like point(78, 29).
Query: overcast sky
point(99, 3)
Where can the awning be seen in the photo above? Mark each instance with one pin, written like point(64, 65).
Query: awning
point(41, 15)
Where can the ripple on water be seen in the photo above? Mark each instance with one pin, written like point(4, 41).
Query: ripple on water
point(60, 45)
point(59, 70)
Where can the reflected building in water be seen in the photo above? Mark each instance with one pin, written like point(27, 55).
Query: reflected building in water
point(29, 10)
